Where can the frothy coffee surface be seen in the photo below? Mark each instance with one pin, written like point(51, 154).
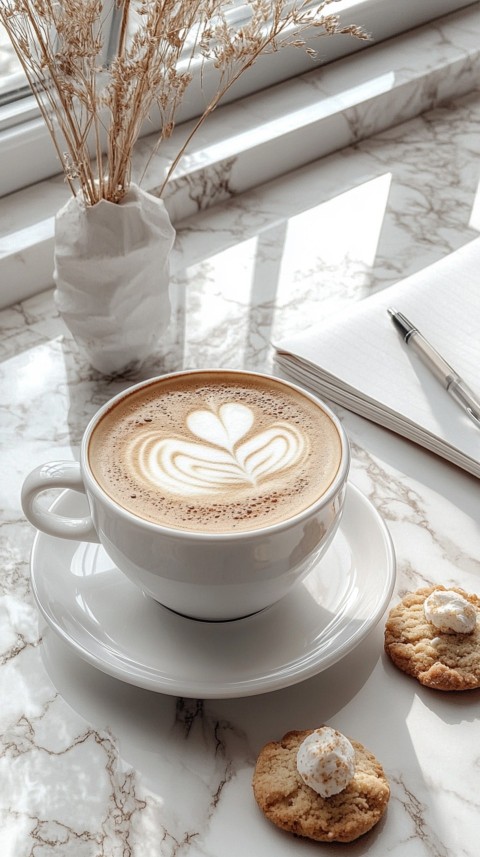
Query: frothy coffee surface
point(215, 452)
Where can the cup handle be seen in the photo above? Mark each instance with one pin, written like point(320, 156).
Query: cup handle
point(57, 474)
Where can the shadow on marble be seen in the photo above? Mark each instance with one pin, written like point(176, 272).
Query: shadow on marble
point(141, 719)
point(178, 746)
point(452, 708)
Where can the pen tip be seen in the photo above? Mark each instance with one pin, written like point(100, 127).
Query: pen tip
point(391, 311)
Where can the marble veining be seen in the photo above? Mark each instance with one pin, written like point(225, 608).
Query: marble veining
point(93, 767)
point(260, 138)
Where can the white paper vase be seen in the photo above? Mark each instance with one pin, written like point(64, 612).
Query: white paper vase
point(112, 277)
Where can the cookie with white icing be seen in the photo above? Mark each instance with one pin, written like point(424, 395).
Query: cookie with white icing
point(356, 787)
point(433, 634)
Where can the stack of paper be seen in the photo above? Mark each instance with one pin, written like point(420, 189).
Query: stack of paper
point(360, 361)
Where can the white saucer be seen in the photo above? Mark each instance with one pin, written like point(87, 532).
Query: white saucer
point(110, 623)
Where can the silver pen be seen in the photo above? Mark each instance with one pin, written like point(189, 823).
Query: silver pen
point(448, 377)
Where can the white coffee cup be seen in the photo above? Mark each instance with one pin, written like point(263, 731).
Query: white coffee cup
point(214, 576)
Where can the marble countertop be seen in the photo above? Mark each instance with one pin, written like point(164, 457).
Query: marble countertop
point(93, 767)
point(263, 136)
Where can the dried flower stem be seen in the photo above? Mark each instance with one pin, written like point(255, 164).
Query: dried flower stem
point(90, 109)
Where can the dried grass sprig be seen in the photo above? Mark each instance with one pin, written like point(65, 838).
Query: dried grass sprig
point(94, 109)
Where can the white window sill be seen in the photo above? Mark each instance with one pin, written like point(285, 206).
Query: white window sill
point(266, 135)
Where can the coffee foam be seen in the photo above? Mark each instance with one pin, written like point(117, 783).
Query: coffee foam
point(215, 453)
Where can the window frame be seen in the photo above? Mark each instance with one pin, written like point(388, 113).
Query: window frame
point(28, 156)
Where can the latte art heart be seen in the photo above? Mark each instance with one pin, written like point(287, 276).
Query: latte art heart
point(215, 451)
point(219, 459)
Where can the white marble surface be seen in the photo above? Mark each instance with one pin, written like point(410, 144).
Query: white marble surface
point(265, 135)
point(92, 767)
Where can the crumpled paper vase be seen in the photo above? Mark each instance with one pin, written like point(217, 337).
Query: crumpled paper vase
point(112, 277)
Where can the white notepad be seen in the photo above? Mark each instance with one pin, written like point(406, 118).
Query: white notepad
point(359, 360)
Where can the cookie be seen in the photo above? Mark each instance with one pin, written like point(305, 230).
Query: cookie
point(292, 805)
point(440, 660)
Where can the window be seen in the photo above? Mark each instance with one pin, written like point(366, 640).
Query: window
point(26, 153)
point(9, 67)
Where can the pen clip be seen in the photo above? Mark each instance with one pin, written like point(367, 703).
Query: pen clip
point(473, 417)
